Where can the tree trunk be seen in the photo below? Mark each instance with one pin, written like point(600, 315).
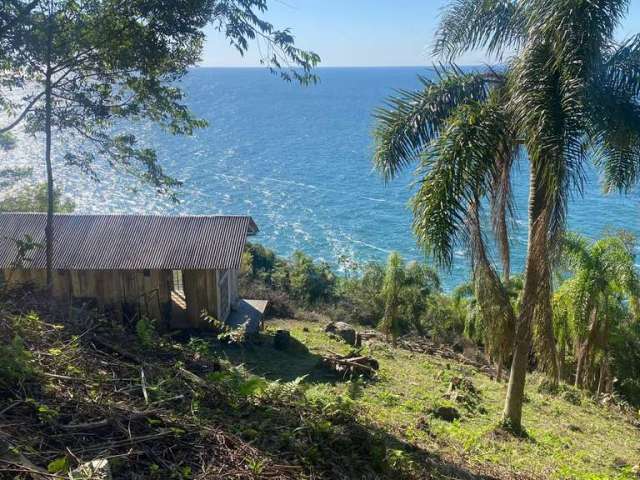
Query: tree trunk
point(545, 340)
point(47, 156)
point(562, 358)
point(580, 366)
point(503, 232)
point(535, 269)
point(604, 366)
point(585, 349)
point(602, 378)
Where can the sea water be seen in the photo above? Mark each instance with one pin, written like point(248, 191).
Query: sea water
point(299, 160)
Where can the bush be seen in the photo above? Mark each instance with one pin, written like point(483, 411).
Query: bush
point(15, 365)
point(146, 332)
point(310, 283)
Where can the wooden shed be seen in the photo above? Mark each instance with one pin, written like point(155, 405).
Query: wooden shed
point(172, 268)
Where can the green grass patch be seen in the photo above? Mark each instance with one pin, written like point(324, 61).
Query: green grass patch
point(567, 439)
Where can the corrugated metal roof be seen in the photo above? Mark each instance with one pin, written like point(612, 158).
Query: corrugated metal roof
point(129, 242)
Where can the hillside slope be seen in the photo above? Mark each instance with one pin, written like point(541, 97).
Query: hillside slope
point(570, 436)
point(197, 408)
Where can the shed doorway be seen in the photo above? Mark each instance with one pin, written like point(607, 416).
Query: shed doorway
point(178, 299)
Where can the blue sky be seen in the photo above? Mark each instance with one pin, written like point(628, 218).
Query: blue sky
point(361, 32)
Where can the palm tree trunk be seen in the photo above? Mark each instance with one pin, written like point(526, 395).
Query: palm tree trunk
point(604, 366)
point(585, 349)
point(503, 232)
point(47, 156)
point(602, 378)
point(545, 337)
point(562, 358)
point(535, 270)
point(580, 366)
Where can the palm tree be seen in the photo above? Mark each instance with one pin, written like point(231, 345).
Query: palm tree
point(391, 292)
point(604, 281)
point(567, 93)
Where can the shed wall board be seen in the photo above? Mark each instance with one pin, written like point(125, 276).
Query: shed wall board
point(110, 288)
point(200, 291)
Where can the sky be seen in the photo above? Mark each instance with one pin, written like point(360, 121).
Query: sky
point(361, 32)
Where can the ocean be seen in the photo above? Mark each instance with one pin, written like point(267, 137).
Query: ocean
point(298, 159)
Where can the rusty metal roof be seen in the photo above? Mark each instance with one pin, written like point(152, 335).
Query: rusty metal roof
point(129, 242)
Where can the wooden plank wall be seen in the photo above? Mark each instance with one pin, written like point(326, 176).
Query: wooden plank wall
point(200, 292)
point(110, 288)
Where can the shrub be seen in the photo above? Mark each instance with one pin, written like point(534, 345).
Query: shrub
point(15, 365)
point(146, 332)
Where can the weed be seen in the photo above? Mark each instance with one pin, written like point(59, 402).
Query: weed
point(15, 366)
point(146, 332)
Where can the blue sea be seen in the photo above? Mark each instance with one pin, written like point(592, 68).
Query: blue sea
point(298, 159)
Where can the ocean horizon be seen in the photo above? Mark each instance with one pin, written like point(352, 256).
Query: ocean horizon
point(297, 159)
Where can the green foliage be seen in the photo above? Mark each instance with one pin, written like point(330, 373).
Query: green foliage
point(146, 332)
point(595, 308)
point(310, 282)
point(59, 465)
point(306, 281)
point(259, 260)
point(92, 64)
point(34, 199)
point(362, 294)
point(7, 141)
point(413, 302)
point(393, 279)
point(16, 362)
point(442, 319)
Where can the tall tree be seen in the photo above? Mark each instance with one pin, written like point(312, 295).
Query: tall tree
point(82, 67)
point(570, 91)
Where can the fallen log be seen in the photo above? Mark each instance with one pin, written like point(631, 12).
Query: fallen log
point(348, 365)
point(420, 345)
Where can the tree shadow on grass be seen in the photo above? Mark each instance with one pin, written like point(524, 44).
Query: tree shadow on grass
point(261, 358)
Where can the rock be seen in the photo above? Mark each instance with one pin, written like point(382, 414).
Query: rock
point(94, 470)
point(281, 340)
point(345, 331)
point(446, 413)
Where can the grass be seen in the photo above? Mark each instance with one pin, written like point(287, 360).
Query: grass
point(565, 440)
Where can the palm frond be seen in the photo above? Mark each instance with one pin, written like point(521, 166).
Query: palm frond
point(622, 67)
point(501, 200)
point(458, 166)
point(576, 32)
point(498, 316)
point(413, 119)
point(493, 25)
point(550, 112)
point(614, 117)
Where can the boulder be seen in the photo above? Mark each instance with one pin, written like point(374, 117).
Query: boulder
point(345, 331)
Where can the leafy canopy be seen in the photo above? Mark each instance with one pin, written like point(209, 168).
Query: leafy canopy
point(107, 60)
